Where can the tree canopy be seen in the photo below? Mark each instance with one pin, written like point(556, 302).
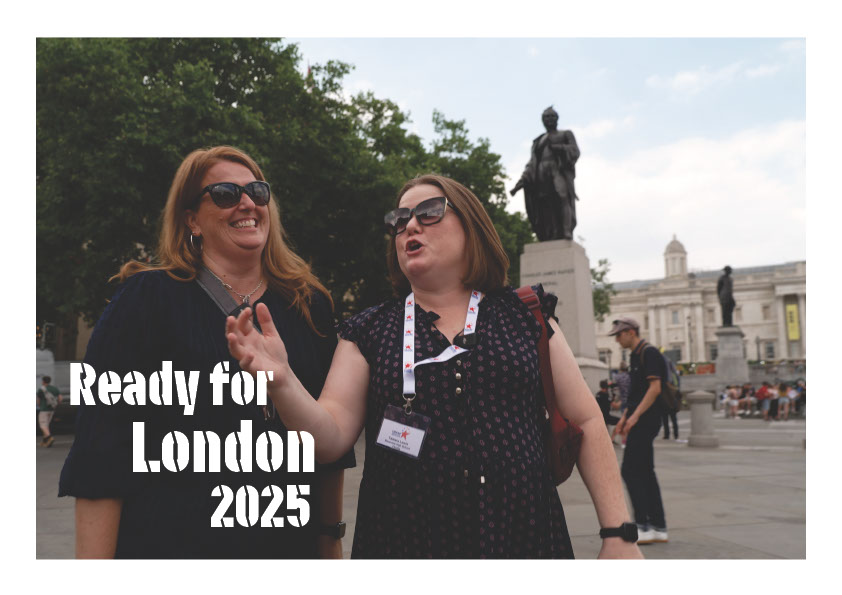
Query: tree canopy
point(115, 118)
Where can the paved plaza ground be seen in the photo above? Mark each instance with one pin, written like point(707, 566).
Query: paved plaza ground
point(743, 500)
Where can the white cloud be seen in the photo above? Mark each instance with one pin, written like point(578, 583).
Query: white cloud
point(739, 200)
point(601, 128)
point(794, 45)
point(514, 169)
point(691, 82)
point(763, 70)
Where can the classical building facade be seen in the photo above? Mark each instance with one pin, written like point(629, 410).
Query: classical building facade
point(681, 312)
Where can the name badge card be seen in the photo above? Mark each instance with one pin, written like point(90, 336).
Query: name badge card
point(403, 432)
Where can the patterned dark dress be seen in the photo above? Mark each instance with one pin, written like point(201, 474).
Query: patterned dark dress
point(154, 318)
point(481, 487)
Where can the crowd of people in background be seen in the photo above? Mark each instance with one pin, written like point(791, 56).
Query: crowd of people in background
point(771, 401)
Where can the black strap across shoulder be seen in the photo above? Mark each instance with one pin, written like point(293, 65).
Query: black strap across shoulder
point(220, 296)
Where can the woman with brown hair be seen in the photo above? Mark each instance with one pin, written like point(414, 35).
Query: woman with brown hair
point(445, 380)
point(221, 241)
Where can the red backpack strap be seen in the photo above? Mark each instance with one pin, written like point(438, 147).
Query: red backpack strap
point(527, 296)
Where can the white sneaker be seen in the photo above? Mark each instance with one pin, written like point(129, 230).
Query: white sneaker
point(645, 536)
point(659, 536)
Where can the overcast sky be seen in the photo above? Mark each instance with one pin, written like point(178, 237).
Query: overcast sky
point(701, 138)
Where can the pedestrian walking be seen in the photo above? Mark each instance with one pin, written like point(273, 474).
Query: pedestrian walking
point(623, 382)
point(604, 400)
point(47, 398)
point(640, 423)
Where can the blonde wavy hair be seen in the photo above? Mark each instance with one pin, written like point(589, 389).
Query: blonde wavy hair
point(286, 273)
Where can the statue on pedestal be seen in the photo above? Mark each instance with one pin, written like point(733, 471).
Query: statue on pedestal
point(725, 291)
point(547, 182)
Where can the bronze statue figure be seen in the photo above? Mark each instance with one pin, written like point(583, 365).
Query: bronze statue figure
point(547, 182)
point(725, 291)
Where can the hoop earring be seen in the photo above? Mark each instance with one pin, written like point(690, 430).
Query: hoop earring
point(193, 245)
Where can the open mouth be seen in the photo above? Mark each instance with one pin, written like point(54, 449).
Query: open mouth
point(413, 246)
point(244, 224)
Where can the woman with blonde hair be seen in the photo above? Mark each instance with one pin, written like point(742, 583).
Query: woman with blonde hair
point(221, 244)
point(445, 380)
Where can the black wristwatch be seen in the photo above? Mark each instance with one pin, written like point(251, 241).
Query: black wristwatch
point(628, 531)
point(337, 530)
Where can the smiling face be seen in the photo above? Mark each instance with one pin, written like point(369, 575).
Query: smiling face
point(234, 232)
point(431, 252)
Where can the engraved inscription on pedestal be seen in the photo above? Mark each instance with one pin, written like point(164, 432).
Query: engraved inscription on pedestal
point(562, 267)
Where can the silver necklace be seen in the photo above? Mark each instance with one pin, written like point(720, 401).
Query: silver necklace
point(244, 297)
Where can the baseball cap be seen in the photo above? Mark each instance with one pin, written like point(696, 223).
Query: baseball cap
point(622, 324)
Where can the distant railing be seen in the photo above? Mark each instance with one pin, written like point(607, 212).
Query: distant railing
point(787, 369)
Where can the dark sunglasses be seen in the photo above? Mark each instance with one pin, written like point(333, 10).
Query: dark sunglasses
point(227, 194)
point(427, 212)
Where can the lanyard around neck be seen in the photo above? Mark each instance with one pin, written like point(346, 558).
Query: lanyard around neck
point(409, 363)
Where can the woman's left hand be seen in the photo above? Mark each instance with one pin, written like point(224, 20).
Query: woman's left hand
point(614, 548)
point(255, 351)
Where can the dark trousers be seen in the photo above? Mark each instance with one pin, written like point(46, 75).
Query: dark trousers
point(638, 472)
point(665, 421)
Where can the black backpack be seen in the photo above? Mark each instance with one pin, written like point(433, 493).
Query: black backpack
point(670, 397)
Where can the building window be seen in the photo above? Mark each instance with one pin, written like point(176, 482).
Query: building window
point(713, 348)
point(712, 315)
point(675, 317)
point(646, 321)
point(605, 355)
point(767, 312)
point(738, 314)
point(769, 350)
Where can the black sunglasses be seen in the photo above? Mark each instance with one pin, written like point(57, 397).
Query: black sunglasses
point(427, 212)
point(227, 194)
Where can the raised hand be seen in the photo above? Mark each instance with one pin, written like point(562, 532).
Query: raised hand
point(254, 351)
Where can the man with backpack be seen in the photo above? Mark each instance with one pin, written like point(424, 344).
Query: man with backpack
point(48, 397)
point(641, 423)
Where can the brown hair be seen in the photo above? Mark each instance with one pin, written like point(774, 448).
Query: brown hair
point(286, 272)
point(487, 261)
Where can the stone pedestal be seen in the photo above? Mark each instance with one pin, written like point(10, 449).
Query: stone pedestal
point(701, 420)
point(562, 267)
point(731, 364)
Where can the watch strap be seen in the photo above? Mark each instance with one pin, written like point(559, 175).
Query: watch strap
point(336, 530)
point(627, 531)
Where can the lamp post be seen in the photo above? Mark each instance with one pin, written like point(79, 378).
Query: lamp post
point(757, 343)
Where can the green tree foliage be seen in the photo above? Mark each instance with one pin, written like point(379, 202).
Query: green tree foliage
point(115, 117)
point(602, 289)
point(475, 166)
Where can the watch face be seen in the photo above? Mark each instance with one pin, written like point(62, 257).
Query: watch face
point(630, 532)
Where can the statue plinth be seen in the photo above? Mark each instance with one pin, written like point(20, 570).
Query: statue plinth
point(562, 267)
point(731, 364)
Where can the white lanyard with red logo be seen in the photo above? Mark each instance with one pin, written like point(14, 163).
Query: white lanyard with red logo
point(409, 363)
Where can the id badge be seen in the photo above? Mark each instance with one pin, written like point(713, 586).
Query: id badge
point(403, 432)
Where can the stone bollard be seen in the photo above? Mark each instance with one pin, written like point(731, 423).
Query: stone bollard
point(701, 419)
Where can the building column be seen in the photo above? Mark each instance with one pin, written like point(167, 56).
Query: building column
point(802, 322)
point(782, 348)
point(688, 322)
point(662, 312)
point(701, 348)
point(653, 337)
